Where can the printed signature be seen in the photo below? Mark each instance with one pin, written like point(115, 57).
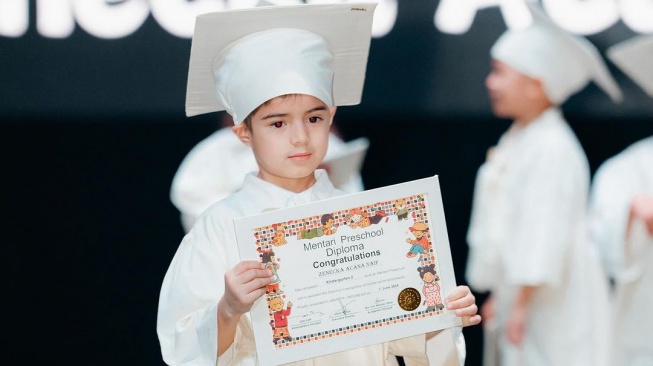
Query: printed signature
point(343, 310)
point(311, 313)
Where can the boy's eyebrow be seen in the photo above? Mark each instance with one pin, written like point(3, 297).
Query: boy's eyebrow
point(318, 108)
point(277, 115)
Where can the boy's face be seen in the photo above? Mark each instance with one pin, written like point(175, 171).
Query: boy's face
point(289, 137)
point(511, 92)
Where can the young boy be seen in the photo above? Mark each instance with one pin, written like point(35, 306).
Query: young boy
point(279, 72)
point(527, 236)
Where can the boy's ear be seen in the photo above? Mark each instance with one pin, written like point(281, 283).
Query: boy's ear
point(243, 133)
point(332, 113)
point(536, 89)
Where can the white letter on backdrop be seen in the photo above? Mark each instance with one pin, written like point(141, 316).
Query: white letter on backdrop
point(54, 18)
point(385, 18)
point(177, 17)
point(516, 14)
point(582, 16)
point(111, 18)
point(14, 17)
point(385, 15)
point(457, 16)
point(637, 15)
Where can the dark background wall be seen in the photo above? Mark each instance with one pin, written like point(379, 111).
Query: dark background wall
point(92, 132)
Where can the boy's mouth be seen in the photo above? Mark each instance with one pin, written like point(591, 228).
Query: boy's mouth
point(300, 156)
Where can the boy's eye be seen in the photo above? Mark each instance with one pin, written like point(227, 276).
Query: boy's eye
point(277, 124)
point(314, 119)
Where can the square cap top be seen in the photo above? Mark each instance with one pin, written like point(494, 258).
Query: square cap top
point(243, 58)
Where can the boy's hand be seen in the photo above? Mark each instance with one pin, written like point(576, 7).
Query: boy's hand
point(463, 302)
point(515, 328)
point(642, 208)
point(488, 309)
point(244, 284)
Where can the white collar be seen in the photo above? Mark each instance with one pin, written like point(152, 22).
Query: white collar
point(276, 197)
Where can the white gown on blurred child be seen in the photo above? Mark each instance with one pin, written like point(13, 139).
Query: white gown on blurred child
point(617, 226)
point(627, 252)
point(528, 228)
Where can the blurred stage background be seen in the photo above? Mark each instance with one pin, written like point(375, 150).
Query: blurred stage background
point(92, 131)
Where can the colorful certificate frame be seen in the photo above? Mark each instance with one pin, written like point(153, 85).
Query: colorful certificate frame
point(350, 271)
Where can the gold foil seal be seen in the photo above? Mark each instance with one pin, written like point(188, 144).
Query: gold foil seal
point(409, 299)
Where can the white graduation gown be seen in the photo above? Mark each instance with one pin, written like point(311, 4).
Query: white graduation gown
point(627, 253)
point(528, 229)
point(215, 167)
point(194, 283)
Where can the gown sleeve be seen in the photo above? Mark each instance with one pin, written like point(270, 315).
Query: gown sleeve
point(191, 289)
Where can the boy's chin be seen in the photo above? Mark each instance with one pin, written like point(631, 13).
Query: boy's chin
point(297, 173)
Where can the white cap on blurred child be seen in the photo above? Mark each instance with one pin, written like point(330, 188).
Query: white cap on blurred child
point(635, 58)
point(243, 58)
point(564, 63)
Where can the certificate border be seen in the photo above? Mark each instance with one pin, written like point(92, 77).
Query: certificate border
point(274, 235)
point(271, 230)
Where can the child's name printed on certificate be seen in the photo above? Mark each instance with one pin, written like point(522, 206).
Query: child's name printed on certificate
point(350, 271)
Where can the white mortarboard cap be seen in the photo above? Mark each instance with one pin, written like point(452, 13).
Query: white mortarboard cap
point(565, 63)
point(277, 2)
point(635, 58)
point(243, 58)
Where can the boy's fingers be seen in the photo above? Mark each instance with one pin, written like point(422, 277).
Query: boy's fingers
point(252, 274)
point(466, 322)
point(467, 311)
point(459, 292)
point(256, 283)
point(471, 320)
point(464, 302)
point(245, 265)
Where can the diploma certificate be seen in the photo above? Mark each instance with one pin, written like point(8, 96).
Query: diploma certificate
point(350, 271)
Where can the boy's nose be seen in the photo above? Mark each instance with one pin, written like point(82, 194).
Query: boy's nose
point(300, 134)
point(489, 81)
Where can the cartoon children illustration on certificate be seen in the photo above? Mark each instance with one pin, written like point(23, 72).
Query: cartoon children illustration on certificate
point(279, 237)
point(401, 210)
point(328, 228)
point(359, 218)
point(268, 258)
point(431, 289)
point(421, 242)
point(280, 322)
